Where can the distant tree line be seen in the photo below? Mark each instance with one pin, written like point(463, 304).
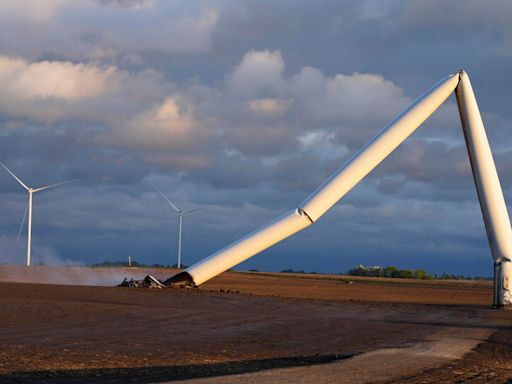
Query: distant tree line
point(391, 271)
point(294, 271)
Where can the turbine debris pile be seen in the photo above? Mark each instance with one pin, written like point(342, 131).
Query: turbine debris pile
point(182, 280)
point(147, 282)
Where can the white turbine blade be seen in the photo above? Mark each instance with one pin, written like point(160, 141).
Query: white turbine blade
point(54, 185)
point(192, 210)
point(15, 177)
point(22, 222)
point(169, 201)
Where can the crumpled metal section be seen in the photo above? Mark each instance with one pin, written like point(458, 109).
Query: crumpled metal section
point(148, 282)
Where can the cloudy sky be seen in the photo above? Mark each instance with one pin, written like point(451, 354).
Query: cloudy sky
point(242, 108)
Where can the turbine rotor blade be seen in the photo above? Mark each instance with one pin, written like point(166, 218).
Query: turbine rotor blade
point(22, 222)
point(54, 185)
point(15, 177)
point(192, 210)
point(169, 201)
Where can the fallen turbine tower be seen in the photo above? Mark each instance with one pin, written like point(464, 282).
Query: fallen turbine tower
point(486, 179)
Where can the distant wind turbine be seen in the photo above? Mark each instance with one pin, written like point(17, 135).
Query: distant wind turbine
point(180, 215)
point(30, 192)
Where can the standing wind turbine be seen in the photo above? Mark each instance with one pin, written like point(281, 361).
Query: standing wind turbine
point(30, 192)
point(180, 215)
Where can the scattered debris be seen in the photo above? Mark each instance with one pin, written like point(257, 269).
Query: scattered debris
point(181, 280)
point(228, 291)
point(148, 282)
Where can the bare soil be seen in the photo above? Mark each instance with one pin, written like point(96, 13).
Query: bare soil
point(243, 325)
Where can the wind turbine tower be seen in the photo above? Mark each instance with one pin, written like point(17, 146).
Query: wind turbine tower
point(30, 192)
point(360, 164)
point(180, 219)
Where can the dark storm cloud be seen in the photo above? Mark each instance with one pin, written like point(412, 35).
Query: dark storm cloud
point(242, 109)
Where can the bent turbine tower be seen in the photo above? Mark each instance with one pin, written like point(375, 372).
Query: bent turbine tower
point(487, 183)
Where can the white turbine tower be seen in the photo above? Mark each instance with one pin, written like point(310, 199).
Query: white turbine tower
point(180, 216)
point(30, 192)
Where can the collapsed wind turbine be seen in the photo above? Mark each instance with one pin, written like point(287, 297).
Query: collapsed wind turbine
point(30, 192)
point(356, 168)
point(180, 215)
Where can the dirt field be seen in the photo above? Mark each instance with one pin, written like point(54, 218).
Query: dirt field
point(248, 327)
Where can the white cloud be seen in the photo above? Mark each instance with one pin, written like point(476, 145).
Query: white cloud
point(353, 106)
point(322, 144)
point(259, 71)
point(358, 99)
point(168, 133)
point(48, 91)
point(269, 106)
point(53, 79)
point(168, 122)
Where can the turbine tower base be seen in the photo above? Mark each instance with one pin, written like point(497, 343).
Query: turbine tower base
point(503, 284)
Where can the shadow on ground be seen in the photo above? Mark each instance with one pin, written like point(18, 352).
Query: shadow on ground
point(146, 375)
